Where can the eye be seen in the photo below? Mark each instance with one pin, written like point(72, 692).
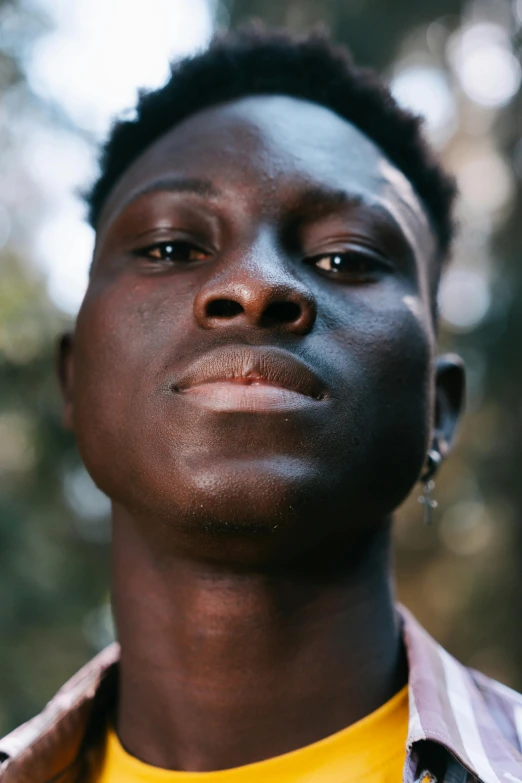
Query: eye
point(175, 252)
point(359, 265)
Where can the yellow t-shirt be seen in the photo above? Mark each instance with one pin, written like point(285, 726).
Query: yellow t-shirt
point(372, 750)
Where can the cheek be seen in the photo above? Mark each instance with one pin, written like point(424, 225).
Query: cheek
point(125, 333)
point(406, 384)
point(125, 325)
point(388, 397)
point(388, 336)
point(403, 352)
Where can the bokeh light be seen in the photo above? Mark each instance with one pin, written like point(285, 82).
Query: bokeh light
point(425, 90)
point(464, 298)
point(486, 67)
point(485, 180)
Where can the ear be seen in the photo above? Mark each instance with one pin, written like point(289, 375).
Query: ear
point(450, 385)
point(65, 372)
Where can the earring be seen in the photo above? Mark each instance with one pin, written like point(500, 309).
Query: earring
point(434, 461)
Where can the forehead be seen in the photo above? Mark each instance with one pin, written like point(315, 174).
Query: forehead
point(268, 147)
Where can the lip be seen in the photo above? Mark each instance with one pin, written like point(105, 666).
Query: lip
point(250, 378)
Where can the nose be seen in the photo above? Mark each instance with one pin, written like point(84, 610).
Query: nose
point(257, 290)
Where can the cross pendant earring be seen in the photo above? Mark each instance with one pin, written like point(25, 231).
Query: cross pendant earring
point(433, 464)
point(428, 502)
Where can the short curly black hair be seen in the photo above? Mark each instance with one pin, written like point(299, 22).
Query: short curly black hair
point(255, 60)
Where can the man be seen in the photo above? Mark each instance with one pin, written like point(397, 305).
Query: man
point(253, 381)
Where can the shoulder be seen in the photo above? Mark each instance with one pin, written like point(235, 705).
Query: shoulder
point(504, 705)
point(50, 741)
point(476, 718)
point(492, 688)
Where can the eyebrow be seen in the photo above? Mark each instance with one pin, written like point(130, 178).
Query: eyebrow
point(317, 201)
point(195, 186)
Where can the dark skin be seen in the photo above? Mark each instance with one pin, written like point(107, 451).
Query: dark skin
point(253, 381)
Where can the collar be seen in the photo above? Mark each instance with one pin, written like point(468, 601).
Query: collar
point(460, 709)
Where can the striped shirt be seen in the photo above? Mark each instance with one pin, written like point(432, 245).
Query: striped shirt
point(463, 726)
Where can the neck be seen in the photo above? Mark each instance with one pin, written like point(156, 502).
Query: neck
point(221, 668)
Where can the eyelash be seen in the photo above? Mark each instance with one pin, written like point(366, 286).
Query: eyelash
point(367, 264)
point(176, 244)
point(370, 262)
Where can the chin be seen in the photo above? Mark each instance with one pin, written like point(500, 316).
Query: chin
point(254, 511)
point(253, 494)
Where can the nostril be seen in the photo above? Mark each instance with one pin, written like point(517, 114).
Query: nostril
point(224, 308)
point(281, 313)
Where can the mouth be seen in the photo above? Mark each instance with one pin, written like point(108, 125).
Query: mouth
point(250, 379)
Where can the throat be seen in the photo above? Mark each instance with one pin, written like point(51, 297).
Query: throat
point(221, 669)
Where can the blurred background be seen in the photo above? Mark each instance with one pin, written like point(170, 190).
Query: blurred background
point(66, 68)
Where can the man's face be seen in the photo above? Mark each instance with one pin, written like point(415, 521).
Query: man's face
point(255, 351)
